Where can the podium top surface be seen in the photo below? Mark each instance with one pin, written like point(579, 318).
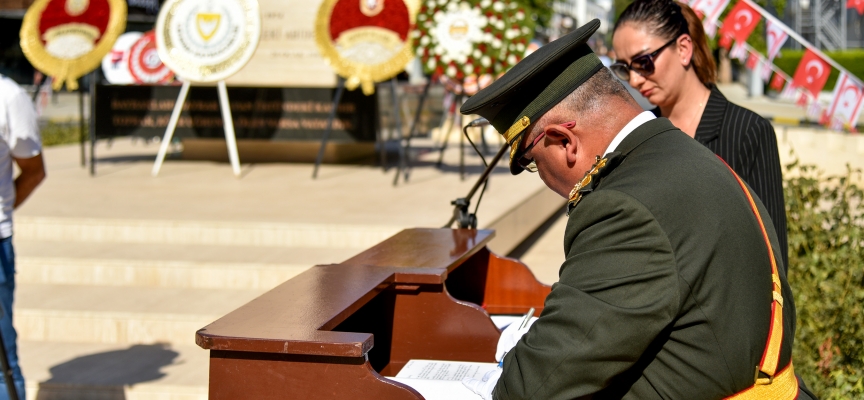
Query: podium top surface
point(297, 316)
point(424, 248)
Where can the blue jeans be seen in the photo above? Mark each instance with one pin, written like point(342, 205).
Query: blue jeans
point(7, 294)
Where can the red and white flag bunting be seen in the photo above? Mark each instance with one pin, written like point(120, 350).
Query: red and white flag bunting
point(789, 92)
point(711, 10)
point(856, 4)
point(777, 82)
point(752, 60)
point(812, 73)
point(846, 102)
point(740, 22)
point(776, 37)
point(767, 69)
point(814, 110)
point(739, 51)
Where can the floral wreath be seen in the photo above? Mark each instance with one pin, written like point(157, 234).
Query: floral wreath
point(468, 42)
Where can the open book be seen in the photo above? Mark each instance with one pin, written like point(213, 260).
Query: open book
point(436, 379)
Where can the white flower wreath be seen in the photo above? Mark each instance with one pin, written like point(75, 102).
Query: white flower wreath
point(468, 42)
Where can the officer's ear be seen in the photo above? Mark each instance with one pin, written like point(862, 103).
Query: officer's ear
point(565, 138)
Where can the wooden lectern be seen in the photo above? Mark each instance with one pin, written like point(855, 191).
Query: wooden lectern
point(334, 330)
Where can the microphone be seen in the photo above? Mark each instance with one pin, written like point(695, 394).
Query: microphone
point(466, 219)
point(478, 122)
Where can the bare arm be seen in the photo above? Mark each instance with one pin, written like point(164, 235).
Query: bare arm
point(32, 174)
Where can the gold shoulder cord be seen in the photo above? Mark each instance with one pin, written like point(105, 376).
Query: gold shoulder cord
point(575, 194)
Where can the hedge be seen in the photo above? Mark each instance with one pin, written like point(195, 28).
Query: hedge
point(852, 60)
point(55, 134)
point(826, 272)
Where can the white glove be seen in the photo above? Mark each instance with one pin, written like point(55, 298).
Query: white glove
point(510, 337)
point(483, 387)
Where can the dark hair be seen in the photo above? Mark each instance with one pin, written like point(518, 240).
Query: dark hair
point(668, 19)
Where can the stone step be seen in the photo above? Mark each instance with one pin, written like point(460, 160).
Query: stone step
point(120, 315)
point(169, 266)
point(91, 371)
point(179, 232)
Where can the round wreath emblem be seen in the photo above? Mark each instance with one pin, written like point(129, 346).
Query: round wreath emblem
point(468, 42)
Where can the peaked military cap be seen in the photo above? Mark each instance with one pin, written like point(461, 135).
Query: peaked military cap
point(535, 85)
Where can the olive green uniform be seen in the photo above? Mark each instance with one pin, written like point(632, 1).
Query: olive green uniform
point(666, 290)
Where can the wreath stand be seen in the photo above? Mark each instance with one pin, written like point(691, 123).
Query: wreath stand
point(405, 151)
point(396, 126)
point(228, 123)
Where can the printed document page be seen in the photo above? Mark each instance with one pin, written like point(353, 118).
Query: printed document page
point(436, 379)
point(438, 370)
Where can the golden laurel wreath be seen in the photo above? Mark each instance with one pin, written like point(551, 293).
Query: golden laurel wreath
point(360, 74)
point(68, 70)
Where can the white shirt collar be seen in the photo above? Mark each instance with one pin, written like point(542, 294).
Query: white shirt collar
point(634, 123)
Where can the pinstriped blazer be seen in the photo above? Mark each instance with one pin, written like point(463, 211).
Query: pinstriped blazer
point(747, 142)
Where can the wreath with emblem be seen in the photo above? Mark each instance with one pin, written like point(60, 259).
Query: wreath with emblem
point(468, 42)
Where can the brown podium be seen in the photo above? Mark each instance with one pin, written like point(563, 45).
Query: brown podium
point(334, 330)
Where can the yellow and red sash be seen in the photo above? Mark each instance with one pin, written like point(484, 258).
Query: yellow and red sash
point(782, 385)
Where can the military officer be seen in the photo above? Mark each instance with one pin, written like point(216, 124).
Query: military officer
point(671, 286)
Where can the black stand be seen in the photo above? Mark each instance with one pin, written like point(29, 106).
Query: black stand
point(94, 76)
point(397, 127)
point(405, 163)
point(461, 213)
point(340, 88)
point(82, 137)
point(6, 368)
point(454, 116)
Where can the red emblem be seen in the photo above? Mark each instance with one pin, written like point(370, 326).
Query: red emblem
point(144, 62)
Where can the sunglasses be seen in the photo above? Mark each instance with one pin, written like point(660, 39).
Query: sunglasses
point(527, 163)
point(642, 65)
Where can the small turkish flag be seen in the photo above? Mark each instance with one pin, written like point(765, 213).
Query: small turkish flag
point(846, 101)
point(777, 82)
point(752, 60)
point(725, 41)
point(812, 73)
point(740, 22)
point(856, 4)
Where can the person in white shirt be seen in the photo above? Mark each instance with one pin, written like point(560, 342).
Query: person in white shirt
point(20, 143)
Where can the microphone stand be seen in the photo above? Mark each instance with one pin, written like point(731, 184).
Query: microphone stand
point(466, 219)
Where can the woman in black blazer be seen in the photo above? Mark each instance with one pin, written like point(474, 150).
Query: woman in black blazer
point(662, 51)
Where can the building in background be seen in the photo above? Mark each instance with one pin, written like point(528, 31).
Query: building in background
point(571, 14)
point(828, 24)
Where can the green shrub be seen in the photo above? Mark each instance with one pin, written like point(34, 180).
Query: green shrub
point(826, 271)
point(55, 133)
point(852, 60)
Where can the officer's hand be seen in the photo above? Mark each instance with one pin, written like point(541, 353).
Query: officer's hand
point(483, 387)
point(510, 337)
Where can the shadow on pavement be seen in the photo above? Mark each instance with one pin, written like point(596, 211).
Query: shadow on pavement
point(103, 376)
